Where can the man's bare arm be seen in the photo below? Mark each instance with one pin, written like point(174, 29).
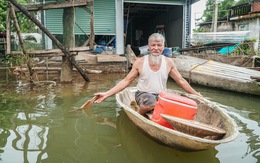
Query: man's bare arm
point(121, 85)
point(174, 73)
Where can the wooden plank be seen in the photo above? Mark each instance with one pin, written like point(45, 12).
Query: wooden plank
point(52, 52)
point(59, 69)
point(109, 58)
point(56, 5)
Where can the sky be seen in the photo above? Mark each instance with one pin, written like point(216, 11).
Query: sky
point(197, 11)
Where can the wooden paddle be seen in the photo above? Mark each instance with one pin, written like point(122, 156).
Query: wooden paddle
point(86, 105)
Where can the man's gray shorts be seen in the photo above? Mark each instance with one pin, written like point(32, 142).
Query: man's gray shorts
point(145, 99)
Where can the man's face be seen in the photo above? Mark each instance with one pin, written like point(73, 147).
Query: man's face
point(156, 47)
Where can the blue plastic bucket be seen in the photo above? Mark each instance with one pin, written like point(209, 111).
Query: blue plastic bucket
point(167, 52)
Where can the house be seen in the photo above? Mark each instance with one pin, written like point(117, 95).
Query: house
point(244, 17)
point(121, 22)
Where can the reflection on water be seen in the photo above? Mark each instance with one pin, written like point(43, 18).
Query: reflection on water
point(247, 144)
point(241, 107)
point(36, 126)
point(140, 148)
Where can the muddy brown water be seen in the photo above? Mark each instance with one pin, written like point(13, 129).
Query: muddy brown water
point(36, 126)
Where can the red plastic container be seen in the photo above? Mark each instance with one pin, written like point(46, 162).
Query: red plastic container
point(175, 105)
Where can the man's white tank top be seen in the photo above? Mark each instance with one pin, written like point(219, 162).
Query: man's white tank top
point(150, 81)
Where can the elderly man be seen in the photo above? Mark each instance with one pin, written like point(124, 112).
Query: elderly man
point(152, 71)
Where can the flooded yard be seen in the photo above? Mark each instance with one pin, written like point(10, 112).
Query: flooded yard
point(36, 125)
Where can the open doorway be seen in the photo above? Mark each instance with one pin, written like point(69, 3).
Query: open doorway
point(142, 19)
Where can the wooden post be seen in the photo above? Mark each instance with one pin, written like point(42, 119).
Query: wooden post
point(16, 24)
point(8, 32)
point(215, 18)
point(68, 42)
point(56, 42)
point(92, 34)
point(91, 38)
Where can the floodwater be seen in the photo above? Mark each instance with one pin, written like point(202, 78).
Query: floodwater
point(36, 125)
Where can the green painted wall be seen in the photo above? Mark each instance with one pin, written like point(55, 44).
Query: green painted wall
point(104, 19)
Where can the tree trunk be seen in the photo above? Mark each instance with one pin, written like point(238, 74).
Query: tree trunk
point(68, 42)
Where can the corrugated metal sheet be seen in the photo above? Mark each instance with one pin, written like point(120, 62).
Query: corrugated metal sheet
point(104, 19)
point(105, 15)
point(157, 1)
point(54, 21)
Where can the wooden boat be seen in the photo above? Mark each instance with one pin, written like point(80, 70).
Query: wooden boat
point(208, 113)
point(219, 75)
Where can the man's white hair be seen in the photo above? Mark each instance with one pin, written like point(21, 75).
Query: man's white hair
point(156, 36)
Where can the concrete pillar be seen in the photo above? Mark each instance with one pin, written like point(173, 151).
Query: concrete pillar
point(120, 47)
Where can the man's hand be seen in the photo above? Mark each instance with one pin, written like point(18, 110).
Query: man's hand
point(101, 96)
